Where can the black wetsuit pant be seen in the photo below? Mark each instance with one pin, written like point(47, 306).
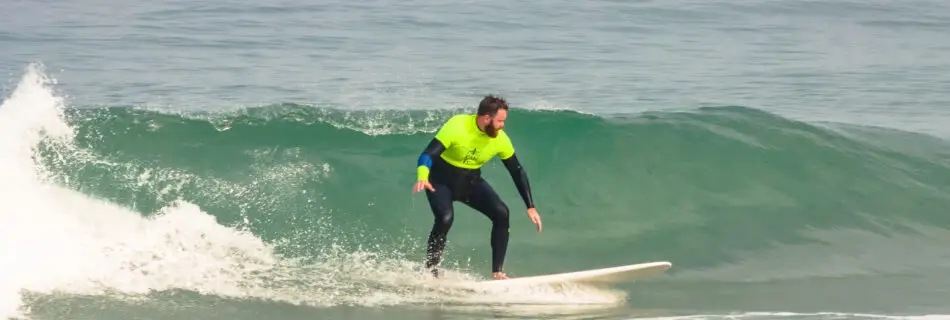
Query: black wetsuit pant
point(469, 188)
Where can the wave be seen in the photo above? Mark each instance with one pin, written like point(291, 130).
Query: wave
point(312, 205)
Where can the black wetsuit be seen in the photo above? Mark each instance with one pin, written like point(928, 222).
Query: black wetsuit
point(453, 183)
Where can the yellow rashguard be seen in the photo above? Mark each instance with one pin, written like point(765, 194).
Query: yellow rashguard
point(466, 146)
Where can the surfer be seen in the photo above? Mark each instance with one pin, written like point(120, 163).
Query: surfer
point(449, 169)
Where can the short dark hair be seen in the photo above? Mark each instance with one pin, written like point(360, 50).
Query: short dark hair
point(490, 105)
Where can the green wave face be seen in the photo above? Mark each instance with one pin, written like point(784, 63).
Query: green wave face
point(701, 189)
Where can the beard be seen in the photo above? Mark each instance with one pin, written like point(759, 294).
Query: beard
point(491, 131)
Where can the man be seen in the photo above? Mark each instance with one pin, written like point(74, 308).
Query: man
point(449, 169)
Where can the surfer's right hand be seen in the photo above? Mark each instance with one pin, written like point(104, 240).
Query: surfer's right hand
point(422, 184)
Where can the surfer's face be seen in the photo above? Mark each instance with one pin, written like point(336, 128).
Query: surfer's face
point(495, 123)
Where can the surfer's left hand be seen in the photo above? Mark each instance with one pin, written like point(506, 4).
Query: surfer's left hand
point(535, 218)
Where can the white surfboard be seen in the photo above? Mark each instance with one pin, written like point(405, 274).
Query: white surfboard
point(604, 276)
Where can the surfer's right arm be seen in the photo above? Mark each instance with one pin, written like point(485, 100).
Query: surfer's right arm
point(442, 140)
point(424, 164)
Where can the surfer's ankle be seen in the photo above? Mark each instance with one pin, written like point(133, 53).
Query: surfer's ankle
point(499, 275)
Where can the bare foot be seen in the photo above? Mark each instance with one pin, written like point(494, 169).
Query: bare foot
point(499, 276)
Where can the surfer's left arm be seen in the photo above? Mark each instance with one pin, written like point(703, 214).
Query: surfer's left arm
point(520, 177)
point(518, 174)
point(507, 155)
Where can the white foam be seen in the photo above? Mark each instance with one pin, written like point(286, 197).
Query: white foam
point(55, 239)
point(29, 114)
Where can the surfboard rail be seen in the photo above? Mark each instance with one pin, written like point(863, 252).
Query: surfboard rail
point(609, 275)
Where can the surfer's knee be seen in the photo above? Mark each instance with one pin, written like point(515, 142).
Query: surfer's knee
point(500, 212)
point(444, 218)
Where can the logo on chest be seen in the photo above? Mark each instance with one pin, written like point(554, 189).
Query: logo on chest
point(471, 157)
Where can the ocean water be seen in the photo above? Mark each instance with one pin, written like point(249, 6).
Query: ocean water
point(240, 160)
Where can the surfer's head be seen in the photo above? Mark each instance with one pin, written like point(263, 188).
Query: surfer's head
point(492, 112)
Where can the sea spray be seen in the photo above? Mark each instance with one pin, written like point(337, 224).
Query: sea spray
point(29, 115)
